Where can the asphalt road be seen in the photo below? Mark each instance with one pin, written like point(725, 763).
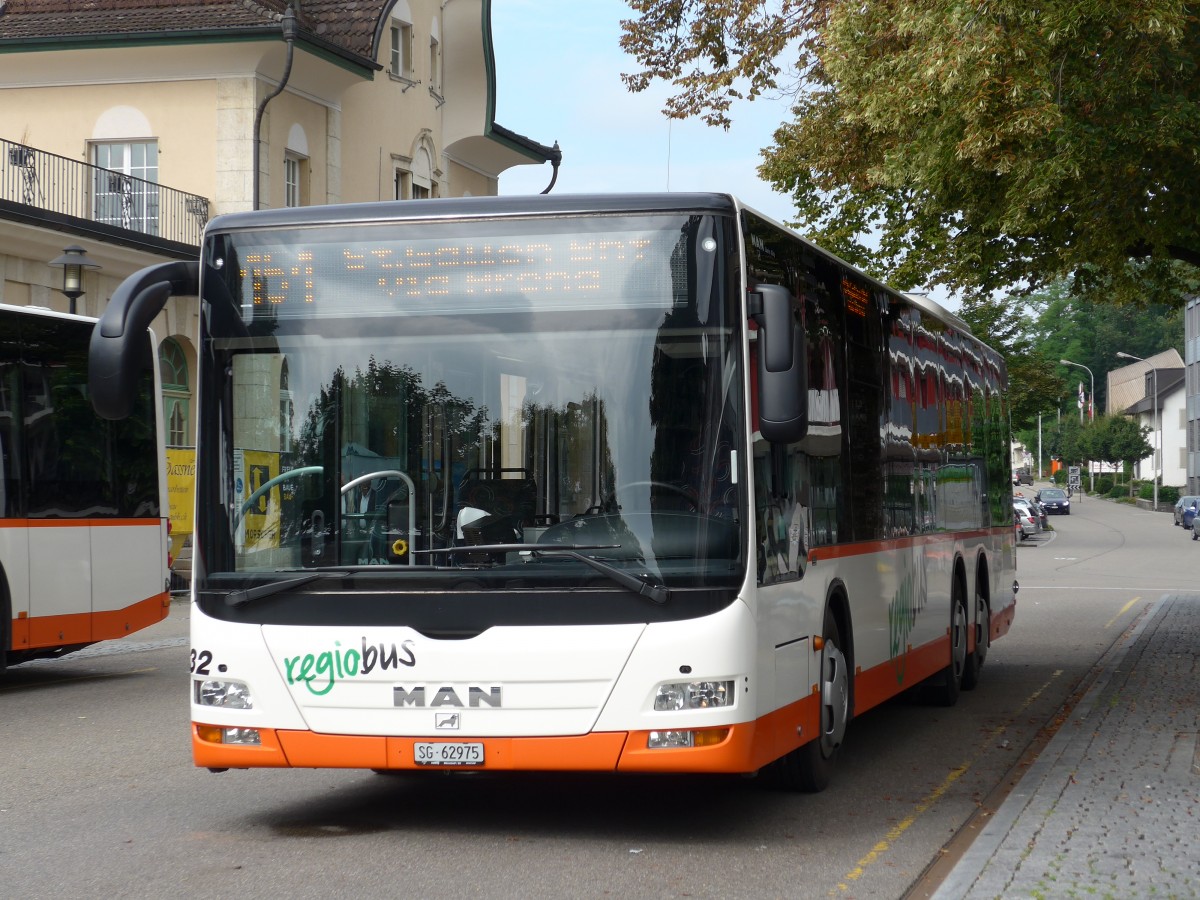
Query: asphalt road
point(99, 797)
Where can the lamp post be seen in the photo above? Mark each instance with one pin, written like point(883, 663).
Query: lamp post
point(73, 261)
point(1091, 413)
point(1157, 432)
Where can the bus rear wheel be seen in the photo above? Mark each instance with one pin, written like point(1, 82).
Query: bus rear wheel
point(810, 768)
point(975, 659)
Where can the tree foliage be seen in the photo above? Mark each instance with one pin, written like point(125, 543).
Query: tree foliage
point(1116, 440)
point(1060, 322)
point(979, 146)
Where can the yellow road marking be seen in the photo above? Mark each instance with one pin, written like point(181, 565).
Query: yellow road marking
point(1124, 609)
point(932, 797)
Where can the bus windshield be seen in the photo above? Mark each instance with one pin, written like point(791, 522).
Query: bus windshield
point(390, 397)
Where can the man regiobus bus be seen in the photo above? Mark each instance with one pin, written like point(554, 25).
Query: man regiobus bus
point(83, 527)
point(600, 483)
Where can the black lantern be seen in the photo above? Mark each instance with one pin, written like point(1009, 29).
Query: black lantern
point(73, 261)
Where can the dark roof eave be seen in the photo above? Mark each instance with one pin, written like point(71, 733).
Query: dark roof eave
point(317, 45)
point(523, 145)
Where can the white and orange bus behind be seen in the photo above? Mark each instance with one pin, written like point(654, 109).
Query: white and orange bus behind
point(83, 522)
point(627, 483)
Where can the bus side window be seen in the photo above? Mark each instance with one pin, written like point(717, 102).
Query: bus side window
point(782, 512)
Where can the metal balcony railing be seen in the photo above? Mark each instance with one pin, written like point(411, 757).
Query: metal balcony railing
point(45, 181)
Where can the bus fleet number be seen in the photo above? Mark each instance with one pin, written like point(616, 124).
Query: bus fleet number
point(200, 662)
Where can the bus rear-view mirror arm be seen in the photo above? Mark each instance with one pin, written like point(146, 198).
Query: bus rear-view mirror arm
point(118, 340)
point(782, 366)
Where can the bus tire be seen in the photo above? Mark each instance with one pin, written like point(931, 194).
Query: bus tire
point(952, 675)
point(975, 660)
point(809, 768)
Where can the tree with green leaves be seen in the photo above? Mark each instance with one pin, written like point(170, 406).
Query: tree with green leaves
point(978, 146)
point(1117, 440)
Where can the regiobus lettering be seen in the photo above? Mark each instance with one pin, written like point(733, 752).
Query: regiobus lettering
point(319, 672)
point(629, 483)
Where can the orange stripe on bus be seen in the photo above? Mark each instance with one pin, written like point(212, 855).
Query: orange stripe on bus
point(748, 748)
point(85, 628)
point(883, 682)
point(843, 551)
point(1002, 621)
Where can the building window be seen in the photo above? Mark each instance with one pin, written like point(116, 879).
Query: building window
point(172, 366)
point(125, 185)
point(408, 187)
point(295, 188)
point(401, 58)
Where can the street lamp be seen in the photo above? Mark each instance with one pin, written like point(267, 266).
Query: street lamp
point(73, 261)
point(1157, 433)
point(1091, 413)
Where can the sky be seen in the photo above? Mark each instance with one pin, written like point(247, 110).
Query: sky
point(558, 78)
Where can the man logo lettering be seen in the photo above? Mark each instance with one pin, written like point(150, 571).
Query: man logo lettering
point(421, 696)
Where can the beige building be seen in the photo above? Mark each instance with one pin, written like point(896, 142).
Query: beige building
point(1152, 392)
point(126, 124)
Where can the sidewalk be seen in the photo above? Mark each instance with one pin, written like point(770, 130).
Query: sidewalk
point(1111, 807)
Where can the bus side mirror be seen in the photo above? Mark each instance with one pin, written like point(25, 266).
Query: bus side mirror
point(782, 366)
point(119, 338)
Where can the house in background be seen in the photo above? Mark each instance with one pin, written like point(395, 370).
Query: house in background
point(126, 124)
point(1152, 392)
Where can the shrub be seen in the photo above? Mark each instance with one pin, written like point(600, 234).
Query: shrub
point(1168, 494)
point(1116, 492)
point(1104, 486)
point(1146, 490)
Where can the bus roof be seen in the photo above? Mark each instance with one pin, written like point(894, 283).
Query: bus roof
point(474, 207)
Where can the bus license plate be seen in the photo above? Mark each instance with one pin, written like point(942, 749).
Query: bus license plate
point(447, 753)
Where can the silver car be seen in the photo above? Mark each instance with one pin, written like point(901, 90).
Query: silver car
point(1026, 518)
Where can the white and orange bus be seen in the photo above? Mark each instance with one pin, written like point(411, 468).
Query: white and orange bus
point(83, 527)
point(627, 483)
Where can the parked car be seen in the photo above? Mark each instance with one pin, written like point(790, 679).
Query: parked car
point(1181, 505)
point(1039, 514)
point(1022, 476)
point(1189, 519)
point(1055, 501)
point(1027, 507)
point(1025, 520)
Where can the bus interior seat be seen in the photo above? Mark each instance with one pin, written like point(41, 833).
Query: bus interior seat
point(509, 505)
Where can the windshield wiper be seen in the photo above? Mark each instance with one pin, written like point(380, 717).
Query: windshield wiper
point(248, 595)
point(659, 593)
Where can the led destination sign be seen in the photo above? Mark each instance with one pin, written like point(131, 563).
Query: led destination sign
point(281, 275)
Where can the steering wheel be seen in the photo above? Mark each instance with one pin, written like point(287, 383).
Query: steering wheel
point(687, 496)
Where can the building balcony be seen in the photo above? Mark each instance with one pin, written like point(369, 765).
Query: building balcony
point(42, 188)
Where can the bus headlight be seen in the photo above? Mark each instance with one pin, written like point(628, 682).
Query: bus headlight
point(693, 695)
point(223, 694)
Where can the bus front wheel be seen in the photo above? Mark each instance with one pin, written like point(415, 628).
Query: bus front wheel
point(809, 768)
